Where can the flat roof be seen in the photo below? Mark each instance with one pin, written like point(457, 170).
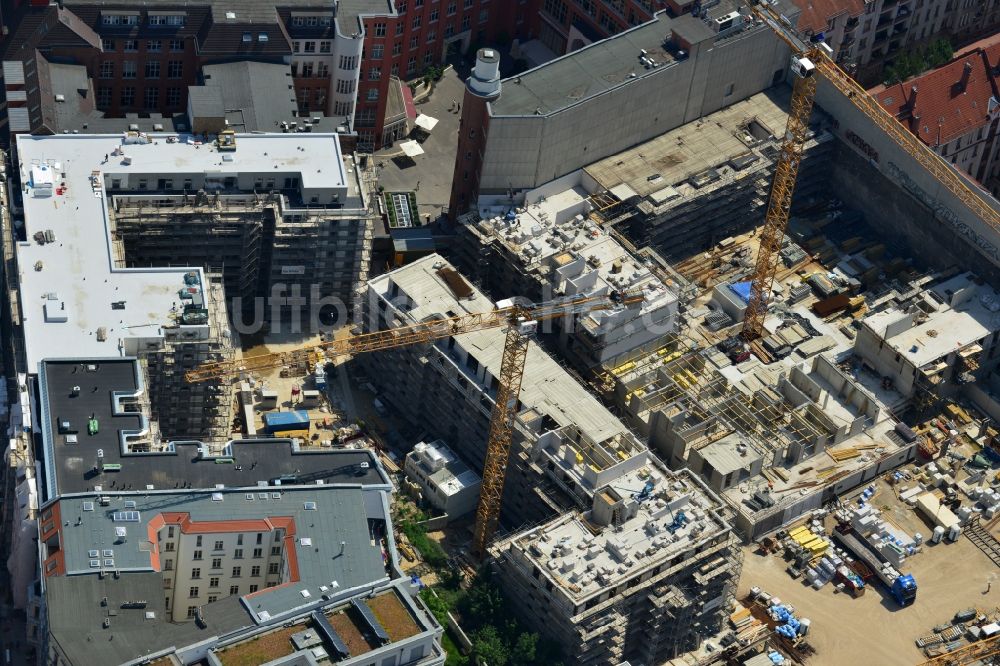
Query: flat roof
point(332, 548)
point(588, 72)
point(584, 559)
point(694, 147)
point(329, 534)
point(70, 467)
point(70, 286)
point(949, 329)
point(547, 388)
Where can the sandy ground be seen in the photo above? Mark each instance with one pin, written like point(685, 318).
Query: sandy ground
point(873, 629)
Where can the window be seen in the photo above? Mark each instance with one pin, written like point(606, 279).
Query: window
point(193, 592)
point(212, 598)
point(272, 568)
point(128, 99)
point(347, 62)
point(258, 553)
point(468, 3)
point(198, 542)
point(197, 555)
point(154, 46)
point(173, 97)
point(310, 47)
point(260, 538)
point(120, 19)
point(238, 554)
point(128, 69)
point(247, 37)
point(176, 44)
point(380, 29)
point(191, 611)
point(213, 582)
point(152, 69)
point(342, 108)
point(196, 573)
point(428, 58)
point(484, 16)
point(414, 40)
point(322, 69)
point(255, 572)
point(397, 48)
point(344, 87)
point(169, 546)
point(375, 73)
point(416, 21)
point(168, 565)
point(237, 571)
point(411, 64)
point(152, 98)
point(449, 30)
point(399, 28)
point(103, 96)
point(377, 51)
point(307, 69)
point(401, 8)
point(131, 45)
point(324, 47)
point(216, 562)
point(465, 23)
point(239, 539)
point(372, 94)
point(431, 35)
point(107, 70)
point(434, 16)
point(275, 551)
point(175, 69)
point(234, 589)
point(171, 20)
point(451, 8)
point(253, 588)
point(107, 44)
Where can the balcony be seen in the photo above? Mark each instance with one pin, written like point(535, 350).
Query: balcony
point(880, 37)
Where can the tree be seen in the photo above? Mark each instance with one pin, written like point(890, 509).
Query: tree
point(483, 605)
point(489, 647)
point(939, 52)
point(522, 653)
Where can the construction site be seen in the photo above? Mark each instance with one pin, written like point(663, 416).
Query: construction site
point(699, 402)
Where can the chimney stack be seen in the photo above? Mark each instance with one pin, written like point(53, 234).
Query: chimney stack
point(966, 73)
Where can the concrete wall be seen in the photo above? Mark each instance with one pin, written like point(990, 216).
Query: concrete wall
point(936, 225)
point(526, 151)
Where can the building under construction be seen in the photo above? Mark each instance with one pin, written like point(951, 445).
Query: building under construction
point(291, 235)
point(543, 244)
point(566, 444)
point(644, 573)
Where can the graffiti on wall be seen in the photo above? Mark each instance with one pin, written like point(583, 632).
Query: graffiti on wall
point(862, 145)
point(944, 213)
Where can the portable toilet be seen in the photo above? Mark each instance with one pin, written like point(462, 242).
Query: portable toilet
point(937, 535)
point(954, 533)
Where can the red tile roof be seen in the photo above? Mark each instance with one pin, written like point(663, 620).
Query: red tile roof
point(816, 13)
point(950, 101)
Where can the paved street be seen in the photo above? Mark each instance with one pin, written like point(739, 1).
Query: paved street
point(429, 174)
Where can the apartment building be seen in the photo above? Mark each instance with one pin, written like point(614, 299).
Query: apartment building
point(955, 110)
point(938, 344)
point(566, 444)
point(522, 132)
point(645, 573)
point(347, 58)
point(545, 244)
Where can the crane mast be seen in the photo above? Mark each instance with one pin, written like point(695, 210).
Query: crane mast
point(515, 353)
point(780, 203)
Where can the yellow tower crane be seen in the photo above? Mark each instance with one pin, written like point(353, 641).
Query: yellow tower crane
point(811, 61)
point(520, 322)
